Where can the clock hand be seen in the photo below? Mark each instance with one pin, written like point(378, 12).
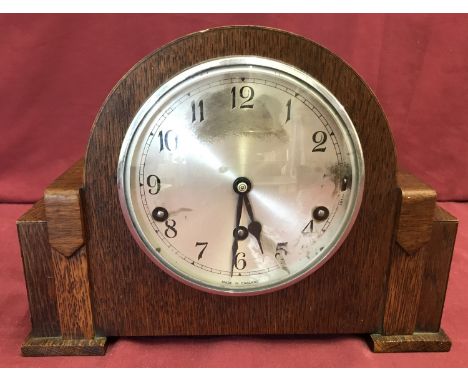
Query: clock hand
point(235, 245)
point(255, 228)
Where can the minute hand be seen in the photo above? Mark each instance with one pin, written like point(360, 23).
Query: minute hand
point(255, 228)
point(235, 244)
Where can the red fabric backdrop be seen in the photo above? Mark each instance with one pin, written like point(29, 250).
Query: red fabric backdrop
point(56, 70)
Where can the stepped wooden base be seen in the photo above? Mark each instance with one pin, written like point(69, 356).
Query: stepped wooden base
point(55, 346)
point(417, 342)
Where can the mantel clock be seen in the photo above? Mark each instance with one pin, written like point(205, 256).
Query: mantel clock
point(240, 180)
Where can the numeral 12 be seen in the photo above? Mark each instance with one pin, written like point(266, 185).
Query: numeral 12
point(246, 93)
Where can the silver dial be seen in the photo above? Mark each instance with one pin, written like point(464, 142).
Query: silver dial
point(241, 175)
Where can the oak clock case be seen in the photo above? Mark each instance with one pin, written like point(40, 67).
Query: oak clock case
point(240, 180)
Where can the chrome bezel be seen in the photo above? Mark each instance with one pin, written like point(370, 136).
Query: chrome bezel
point(192, 74)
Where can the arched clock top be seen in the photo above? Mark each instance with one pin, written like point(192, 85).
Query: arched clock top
point(349, 98)
point(151, 72)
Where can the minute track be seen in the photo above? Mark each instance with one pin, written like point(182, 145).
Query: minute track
point(202, 143)
point(180, 102)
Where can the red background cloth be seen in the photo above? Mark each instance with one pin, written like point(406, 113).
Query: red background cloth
point(56, 70)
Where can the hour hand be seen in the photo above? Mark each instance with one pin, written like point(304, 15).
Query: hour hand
point(255, 228)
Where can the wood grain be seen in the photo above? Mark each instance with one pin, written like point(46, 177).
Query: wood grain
point(63, 210)
point(38, 271)
point(414, 227)
point(73, 298)
point(404, 289)
point(65, 221)
point(132, 296)
point(57, 346)
point(416, 212)
point(417, 342)
point(438, 257)
point(60, 301)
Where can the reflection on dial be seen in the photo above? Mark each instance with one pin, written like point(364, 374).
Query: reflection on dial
point(232, 177)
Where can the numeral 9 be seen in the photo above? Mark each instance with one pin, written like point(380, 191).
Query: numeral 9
point(154, 183)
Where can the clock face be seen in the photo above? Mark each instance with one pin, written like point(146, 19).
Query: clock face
point(240, 175)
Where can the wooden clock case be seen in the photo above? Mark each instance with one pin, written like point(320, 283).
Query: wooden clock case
point(87, 279)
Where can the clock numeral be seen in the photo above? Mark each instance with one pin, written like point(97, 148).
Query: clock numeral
point(165, 141)
point(319, 137)
point(204, 244)
point(281, 251)
point(288, 115)
point(309, 227)
point(200, 110)
point(170, 231)
point(246, 93)
point(154, 183)
point(240, 262)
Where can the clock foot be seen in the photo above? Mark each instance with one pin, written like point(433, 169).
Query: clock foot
point(416, 342)
point(56, 346)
